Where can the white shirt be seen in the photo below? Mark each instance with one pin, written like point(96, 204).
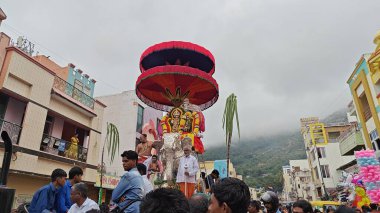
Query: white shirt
point(86, 206)
point(147, 185)
point(187, 164)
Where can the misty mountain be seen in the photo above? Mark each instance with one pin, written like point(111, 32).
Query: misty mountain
point(336, 117)
point(260, 160)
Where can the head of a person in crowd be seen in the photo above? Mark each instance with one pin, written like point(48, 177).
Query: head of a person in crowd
point(104, 207)
point(271, 202)
point(143, 138)
point(129, 159)
point(373, 207)
point(203, 175)
point(141, 168)
point(344, 209)
point(254, 206)
point(302, 206)
point(215, 173)
point(284, 209)
point(229, 195)
point(187, 150)
point(78, 193)
point(76, 174)
point(165, 200)
point(93, 211)
point(366, 209)
point(154, 158)
point(358, 210)
point(330, 209)
point(58, 177)
point(199, 203)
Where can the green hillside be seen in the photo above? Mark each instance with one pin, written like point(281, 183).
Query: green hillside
point(260, 160)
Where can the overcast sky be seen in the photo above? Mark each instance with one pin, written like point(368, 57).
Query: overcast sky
point(283, 59)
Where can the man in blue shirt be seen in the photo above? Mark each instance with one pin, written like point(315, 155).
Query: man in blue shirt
point(129, 191)
point(62, 200)
point(43, 198)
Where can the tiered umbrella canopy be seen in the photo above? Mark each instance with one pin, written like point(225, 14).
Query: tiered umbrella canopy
point(175, 70)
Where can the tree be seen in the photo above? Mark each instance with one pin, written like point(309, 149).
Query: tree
point(230, 111)
point(112, 142)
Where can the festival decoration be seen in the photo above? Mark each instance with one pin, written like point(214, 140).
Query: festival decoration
point(176, 77)
point(370, 172)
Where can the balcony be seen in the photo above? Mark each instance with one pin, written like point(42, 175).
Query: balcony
point(73, 92)
point(12, 129)
point(350, 141)
point(303, 174)
point(63, 148)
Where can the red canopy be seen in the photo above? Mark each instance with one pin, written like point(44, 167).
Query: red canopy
point(174, 52)
point(163, 86)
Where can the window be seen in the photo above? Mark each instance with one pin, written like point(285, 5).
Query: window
point(78, 84)
point(375, 139)
point(48, 125)
point(3, 105)
point(316, 172)
point(319, 191)
point(312, 155)
point(325, 171)
point(366, 109)
point(87, 90)
point(321, 152)
point(140, 118)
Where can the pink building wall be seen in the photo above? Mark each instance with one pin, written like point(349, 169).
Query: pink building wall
point(15, 111)
point(150, 113)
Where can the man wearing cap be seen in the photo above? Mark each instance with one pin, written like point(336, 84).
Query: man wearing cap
point(271, 202)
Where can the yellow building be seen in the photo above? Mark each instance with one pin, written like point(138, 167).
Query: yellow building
point(323, 153)
point(41, 112)
point(364, 84)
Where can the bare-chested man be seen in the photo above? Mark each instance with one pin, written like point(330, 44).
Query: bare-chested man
point(144, 149)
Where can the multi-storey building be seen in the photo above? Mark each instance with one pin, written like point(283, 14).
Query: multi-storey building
point(350, 140)
point(364, 84)
point(253, 193)
point(301, 186)
point(287, 186)
point(129, 114)
point(41, 111)
point(323, 153)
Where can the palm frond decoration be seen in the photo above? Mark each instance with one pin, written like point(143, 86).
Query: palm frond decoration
point(230, 112)
point(112, 140)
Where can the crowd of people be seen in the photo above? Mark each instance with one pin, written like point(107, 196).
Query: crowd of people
point(135, 193)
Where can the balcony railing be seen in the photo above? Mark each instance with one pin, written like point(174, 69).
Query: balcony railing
point(302, 174)
point(348, 132)
point(73, 92)
point(12, 129)
point(63, 148)
point(351, 142)
point(367, 114)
